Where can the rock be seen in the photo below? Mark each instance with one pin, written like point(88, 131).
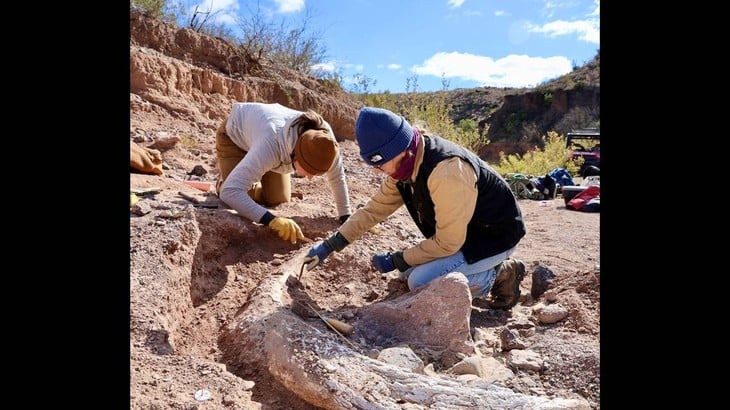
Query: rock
point(435, 317)
point(542, 280)
point(525, 359)
point(402, 357)
point(511, 340)
point(550, 313)
point(198, 170)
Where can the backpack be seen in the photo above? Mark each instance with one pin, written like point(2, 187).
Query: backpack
point(545, 185)
point(522, 187)
point(561, 176)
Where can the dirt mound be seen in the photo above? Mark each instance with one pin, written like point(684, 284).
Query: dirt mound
point(196, 272)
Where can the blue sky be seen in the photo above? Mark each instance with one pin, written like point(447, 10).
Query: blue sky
point(438, 43)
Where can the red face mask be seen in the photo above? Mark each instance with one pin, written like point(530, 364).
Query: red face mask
point(406, 166)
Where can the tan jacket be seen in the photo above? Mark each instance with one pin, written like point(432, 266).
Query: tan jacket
point(453, 189)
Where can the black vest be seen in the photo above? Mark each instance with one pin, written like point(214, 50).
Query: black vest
point(497, 223)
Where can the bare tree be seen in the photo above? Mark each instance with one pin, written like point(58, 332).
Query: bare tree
point(195, 23)
point(297, 48)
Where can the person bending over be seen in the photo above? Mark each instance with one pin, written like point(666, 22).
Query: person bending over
point(259, 145)
point(465, 210)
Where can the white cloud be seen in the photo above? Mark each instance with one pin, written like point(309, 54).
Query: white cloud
point(549, 7)
point(510, 71)
point(356, 67)
point(289, 6)
point(221, 11)
point(597, 11)
point(217, 5)
point(394, 66)
point(587, 30)
point(335, 66)
point(455, 3)
point(328, 67)
point(500, 13)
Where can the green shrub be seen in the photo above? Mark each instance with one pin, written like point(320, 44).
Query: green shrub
point(540, 161)
point(548, 97)
point(155, 8)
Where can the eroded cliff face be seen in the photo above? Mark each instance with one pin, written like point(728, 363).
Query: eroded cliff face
point(187, 81)
point(546, 110)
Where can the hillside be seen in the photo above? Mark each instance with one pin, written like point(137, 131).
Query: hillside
point(514, 120)
point(223, 317)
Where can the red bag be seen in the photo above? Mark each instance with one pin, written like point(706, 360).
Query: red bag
point(578, 201)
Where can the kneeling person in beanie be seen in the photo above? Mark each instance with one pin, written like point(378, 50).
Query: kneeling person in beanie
point(465, 210)
point(259, 146)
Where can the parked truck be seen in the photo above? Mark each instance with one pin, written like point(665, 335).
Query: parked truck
point(586, 144)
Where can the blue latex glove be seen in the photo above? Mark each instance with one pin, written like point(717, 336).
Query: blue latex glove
point(317, 254)
point(383, 262)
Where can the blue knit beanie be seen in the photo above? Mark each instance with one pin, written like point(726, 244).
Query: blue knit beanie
point(381, 135)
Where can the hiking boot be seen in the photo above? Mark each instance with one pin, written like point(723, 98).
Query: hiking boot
point(506, 289)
